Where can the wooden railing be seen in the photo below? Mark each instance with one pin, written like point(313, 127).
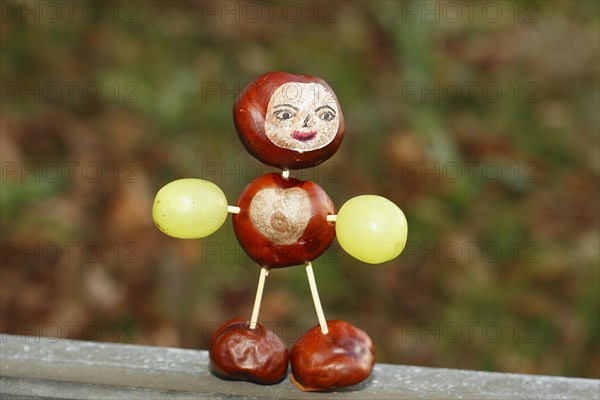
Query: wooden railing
point(37, 368)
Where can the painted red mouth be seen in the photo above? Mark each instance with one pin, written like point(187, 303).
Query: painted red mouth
point(304, 136)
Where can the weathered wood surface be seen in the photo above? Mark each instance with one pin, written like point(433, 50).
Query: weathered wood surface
point(36, 368)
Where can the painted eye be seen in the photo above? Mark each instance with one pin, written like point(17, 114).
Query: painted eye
point(326, 116)
point(282, 115)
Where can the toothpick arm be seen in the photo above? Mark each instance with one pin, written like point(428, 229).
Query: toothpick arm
point(233, 209)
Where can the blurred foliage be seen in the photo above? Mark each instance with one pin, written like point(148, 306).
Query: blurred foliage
point(501, 271)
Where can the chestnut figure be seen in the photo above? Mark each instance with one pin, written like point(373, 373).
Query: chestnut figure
point(240, 353)
point(283, 222)
point(289, 121)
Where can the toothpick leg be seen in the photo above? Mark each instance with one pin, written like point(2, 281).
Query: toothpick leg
point(259, 292)
point(315, 296)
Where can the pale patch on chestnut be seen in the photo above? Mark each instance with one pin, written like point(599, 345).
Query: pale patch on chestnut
point(302, 116)
point(281, 215)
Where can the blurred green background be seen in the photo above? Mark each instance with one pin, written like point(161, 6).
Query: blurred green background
point(480, 120)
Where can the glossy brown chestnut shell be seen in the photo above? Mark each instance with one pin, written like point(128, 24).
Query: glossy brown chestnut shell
point(239, 353)
point(283, 222)
point(249, 111)
point(343, 357)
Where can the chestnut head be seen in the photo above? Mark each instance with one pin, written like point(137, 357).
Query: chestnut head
point(289, 121)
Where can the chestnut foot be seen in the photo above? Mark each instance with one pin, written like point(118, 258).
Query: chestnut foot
point(240, 353)
point(343, 357)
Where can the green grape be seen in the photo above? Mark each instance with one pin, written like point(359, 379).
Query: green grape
point(371, 228)
point(189, 208)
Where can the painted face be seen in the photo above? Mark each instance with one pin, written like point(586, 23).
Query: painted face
point(302, 116)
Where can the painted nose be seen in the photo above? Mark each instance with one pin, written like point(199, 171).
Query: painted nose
point(307, 122)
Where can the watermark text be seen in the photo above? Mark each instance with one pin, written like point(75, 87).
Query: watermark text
point(67, 172)
point(51, 332)
point(454, 92)
point(69, 92)
point(70, 12)
point(53, 252)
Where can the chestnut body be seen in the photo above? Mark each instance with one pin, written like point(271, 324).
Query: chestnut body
point(283, 221)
